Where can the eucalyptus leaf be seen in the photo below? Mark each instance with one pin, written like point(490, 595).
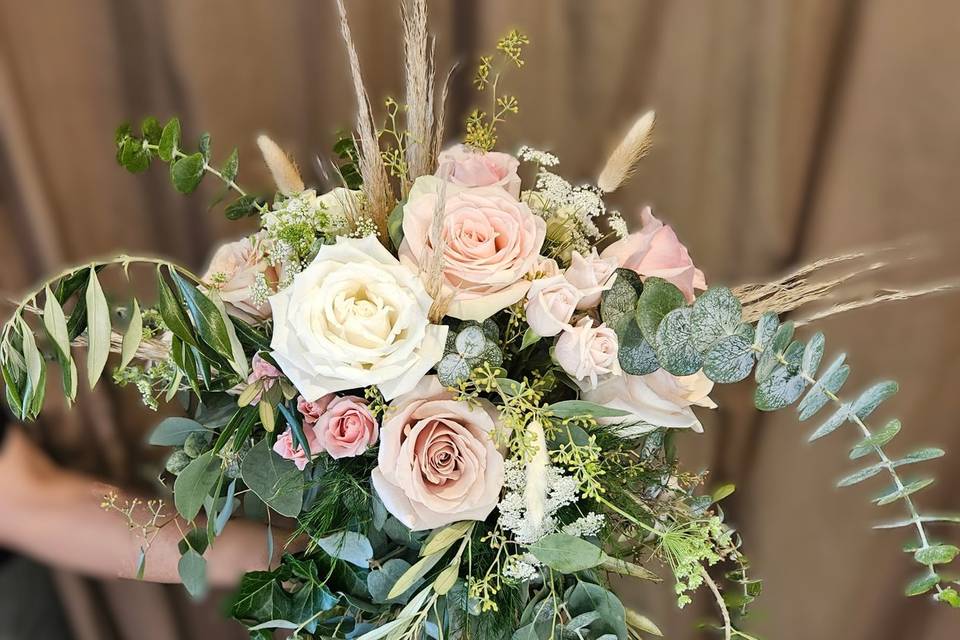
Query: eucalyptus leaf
point(779, 389)
point(896, 493)
point(766, 328)
point(169, 139)
point(193, 573)
point(194, 484)
point(98, 329)
point(674, 344)
point(395, 225)
point(348, 546)
point(936, 554)
point(580, 408)
point(566, 554)
point(922, 585)
point(775, 348)
point(877, 440)
point(635, 355)
point(812, 355)
point(834, 422)
point(187, 172)
point(829, 383)
point(730, 359)
point(173, 432)
point(276, 481)
point(716, 314)
point(870, 399)
point(618, 303)
point(657, 299)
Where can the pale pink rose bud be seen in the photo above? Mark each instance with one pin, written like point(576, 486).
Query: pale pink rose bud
point(544, 268)
point(311, 411)
point(263, 372)
point(656, 251)
point(591, 275)
point(550, 305)
point(587, 352)
point(233, 270)
point(346, 428)
point(288, 448)
point(467, 167)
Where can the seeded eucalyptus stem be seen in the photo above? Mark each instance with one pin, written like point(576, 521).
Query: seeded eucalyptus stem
point(885, 461)
point(177, 154)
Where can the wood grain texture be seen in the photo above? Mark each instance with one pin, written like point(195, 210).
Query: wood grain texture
point(787, 130)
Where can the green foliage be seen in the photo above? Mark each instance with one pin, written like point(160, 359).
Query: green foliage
point(276, 481)
point(471, 347)
point(567, 554)
point(173, 432)
point(194, 484)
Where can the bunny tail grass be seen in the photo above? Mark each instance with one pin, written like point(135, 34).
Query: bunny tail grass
point(623, 161)
point(283, 170)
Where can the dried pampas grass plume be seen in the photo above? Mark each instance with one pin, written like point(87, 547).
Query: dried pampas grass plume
point(376, 183)
point(283, 170)
point(418, 65)
point(623, 161)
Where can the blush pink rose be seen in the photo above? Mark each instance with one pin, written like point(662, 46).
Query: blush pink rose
point(437, 462)
point(232, 272)
point(659, 399)
point(346, 428)
point(491, 239)
point(550, 305)
point(588, 353)
point(467, 167)
point(311, 411)
point(591, 275)
point(286, 447)
point(656, 251)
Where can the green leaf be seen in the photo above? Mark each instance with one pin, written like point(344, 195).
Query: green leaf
point(151, 130)
point(35, 370)
point(173, 314)
point(442, 539)
point(581, 408)
point(909, 522)
point(674, 344)
point(348, 546)
point(242, 207)
point(98, 329)
point(133, 156)
point(921, 585)
point(897, 494)
point(766, 329)
point(173, 432)
point(447, 578)
point(237, 357)
point(776, 347)
point(187, 172)
point(950, 596)
point(133, 337)
point(830, 382)
point(877, 440)
point(395, 225)
point(260, 597)
point(635, 354)
point(833, 423)
point(529, 339)
point(723, 491)
point(207, 317)
point(224, 516)
point(169, 139)
point(862, 474)
point(870, 399)
point(585, 597)
point(716, 314)
point(276, 481)
point(566, 554)
point(813, 354)
point(920, 455)
point(412, 576)
point(55, 324)
point(780, 389)
point(936, 554)
point(731, 358)
point(618, 303)
point(194, 483)
point(231, 167)
point(193, 573)
point(453, 369)
point(380, 582)
point(657, 299)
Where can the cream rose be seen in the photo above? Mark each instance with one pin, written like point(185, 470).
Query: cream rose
point(355, 317)
point(656, 251)
point(588, 353)
point(466, 167)
point(491, 242)
point(659, 399)
point(232, 272)
point(591, 275)
point(438, 463)
point(550, 305)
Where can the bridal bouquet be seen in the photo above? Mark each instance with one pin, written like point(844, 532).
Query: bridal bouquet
point(458, 374)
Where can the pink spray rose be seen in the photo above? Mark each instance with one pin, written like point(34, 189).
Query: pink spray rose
point(312, 411)
point(588, 353)
point(550, 305)
point(346, 428)
point(591, 275)
point(492, 241)
point(232, 272)
point(656, 251)
point(437, 461)
point(288, 448)
point(466, 167)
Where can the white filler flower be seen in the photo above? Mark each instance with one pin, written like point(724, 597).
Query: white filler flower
point(355, 317)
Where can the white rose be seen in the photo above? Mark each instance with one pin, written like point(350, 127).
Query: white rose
point(550, 305)
point(591, 275)
point(659, 399)
point(588, 353)
point(355, 317)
